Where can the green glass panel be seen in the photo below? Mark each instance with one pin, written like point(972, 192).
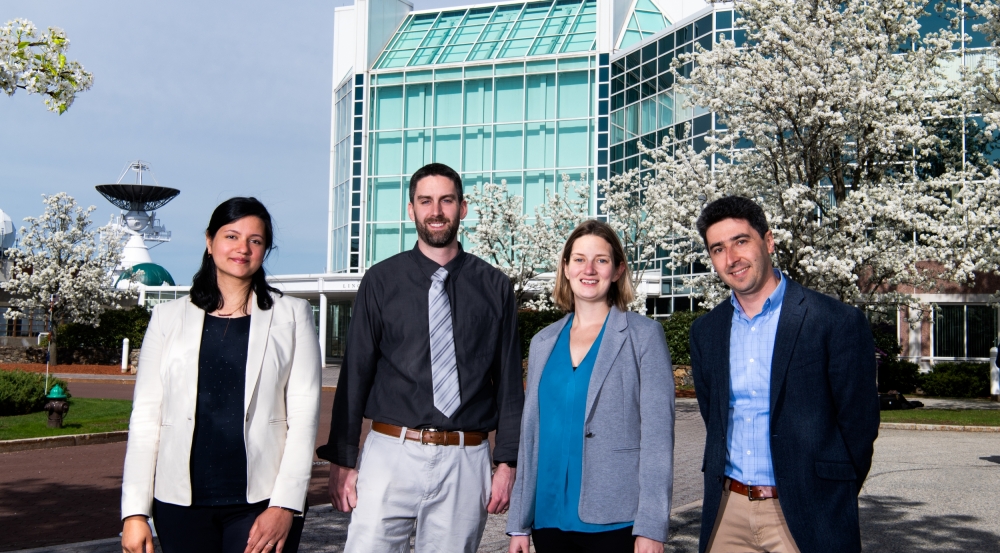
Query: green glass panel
point(409, 236)
point(448, 74)
point(556, 26)
point(574, 63)
point(424, 56)
point(526, 29)
point(388, 107)
point(590, 7)
point(536, 185)
point(665, 109)
point(630, 38)
point(633, 23)
point(541, 96)
point(566, 8)
point(509, 144)
point(478, 101)
point(617, 134)
point(541, 66)
point(507, 13)
point(516, 68)
point(437, 37)
point(650, 22)
point(447, 103)
point(421, 21)
point(682, 107)
point(390, 78)
point(495, 31)
point(478, 149)
point(509, 99)
point(388, 152)
point(539, 145)
point(515, 186)
point(479, 71)
point(417, 150)
point(418, 105)
point(483, 51)
point(448, 146)
point(647, 115)
point(396, 58)
point(586, 23)
point(478, 16)
point(515, 48)
point(467, 35)
point(544, 45)
point(424, 76)
point(384, 241)
point(572, 144)
point(449, 19)
point(409, 40)
point(536, 9)
point(454, 54)
point(385, 198)
point(574, 94)
point(631, 121)
point(646, 5)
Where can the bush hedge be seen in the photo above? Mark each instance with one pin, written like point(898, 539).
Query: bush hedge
point(961, 379)
point(116, 324)
point(23, 392)
point(677, 327)
point(897, 374)
point(529, 322)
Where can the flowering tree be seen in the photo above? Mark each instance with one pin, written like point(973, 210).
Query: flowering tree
point(825, 109)
point(64, 264)
point(522, 248)
point(37, 63)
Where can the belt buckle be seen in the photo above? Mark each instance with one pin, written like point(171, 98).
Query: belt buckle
point(422, 430)
point(750, 495)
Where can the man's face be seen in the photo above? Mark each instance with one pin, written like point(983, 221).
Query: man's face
point(740, 255)
point(436, 211)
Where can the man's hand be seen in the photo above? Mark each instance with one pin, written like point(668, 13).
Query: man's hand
point(344, 488)
point(503, 483)
point(269, 531)
point(518, 544)
point(136, 535)
point(646, 545)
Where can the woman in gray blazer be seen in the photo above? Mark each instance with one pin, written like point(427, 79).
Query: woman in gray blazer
point(595, 464)
point(226, 405)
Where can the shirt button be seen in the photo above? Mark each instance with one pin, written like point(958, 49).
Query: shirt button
point(751, 360)
point(748, 419)
point(753, 392)
point(753, 328)
point(749, 452)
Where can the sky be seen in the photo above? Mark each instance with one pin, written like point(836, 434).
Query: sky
point(221, 98)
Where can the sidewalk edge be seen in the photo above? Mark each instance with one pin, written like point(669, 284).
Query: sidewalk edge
point(936, 427)
point(10, 446)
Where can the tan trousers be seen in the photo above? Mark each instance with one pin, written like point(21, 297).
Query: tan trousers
point(744, 526)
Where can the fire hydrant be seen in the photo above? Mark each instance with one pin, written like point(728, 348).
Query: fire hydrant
point(57, 406)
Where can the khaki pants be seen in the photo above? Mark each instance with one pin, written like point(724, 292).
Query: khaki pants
point(442, 491)
point(744, 526)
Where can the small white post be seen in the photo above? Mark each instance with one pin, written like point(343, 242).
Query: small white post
point(323, 303)
point(125, 355)
point(994, 376)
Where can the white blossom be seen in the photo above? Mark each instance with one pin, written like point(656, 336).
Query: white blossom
point(37, 63)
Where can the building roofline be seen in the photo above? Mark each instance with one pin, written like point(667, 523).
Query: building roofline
point(712, 8)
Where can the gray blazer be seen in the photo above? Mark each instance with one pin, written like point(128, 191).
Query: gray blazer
point(628, 449)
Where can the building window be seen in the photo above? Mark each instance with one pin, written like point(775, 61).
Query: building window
point(964, 331)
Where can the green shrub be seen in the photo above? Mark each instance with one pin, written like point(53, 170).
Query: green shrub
point(529, 322)
point(899, 375)
point(116, 324)
point(23, 392)
point(678, 330)
point(962, 379)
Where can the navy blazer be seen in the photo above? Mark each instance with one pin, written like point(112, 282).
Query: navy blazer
point(824, 414)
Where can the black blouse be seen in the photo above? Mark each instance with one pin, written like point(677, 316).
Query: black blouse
point(218, 452)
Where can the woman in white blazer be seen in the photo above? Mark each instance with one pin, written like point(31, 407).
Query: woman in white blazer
point(595, 462)
point(226, 405)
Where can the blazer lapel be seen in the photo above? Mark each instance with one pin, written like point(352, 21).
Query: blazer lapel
point(188, 348)
point(793, 311)
point(260, 325)
point(543, 348)
point(722, 333)
point(611, 344)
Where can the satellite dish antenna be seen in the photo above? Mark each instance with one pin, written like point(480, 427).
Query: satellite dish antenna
point(138, 202)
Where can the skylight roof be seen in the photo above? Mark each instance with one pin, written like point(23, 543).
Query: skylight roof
point(644, 21)
point(492, 32)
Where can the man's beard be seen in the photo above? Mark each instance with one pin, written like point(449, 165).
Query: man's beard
point(439, 238)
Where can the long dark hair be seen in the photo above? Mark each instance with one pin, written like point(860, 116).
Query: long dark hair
point(204, 286)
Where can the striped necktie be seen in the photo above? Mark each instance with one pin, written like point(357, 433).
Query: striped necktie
point(444, 370)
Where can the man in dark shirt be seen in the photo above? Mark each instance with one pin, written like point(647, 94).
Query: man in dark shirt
point(433, 359)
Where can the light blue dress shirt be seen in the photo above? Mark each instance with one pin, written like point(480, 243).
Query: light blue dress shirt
point(751, 346)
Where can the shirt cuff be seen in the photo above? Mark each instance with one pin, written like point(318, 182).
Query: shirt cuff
point(517, 534)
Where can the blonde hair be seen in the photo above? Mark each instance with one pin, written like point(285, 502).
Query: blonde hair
point(621, 293)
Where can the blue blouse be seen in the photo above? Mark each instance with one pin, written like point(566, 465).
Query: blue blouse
point(562, 402)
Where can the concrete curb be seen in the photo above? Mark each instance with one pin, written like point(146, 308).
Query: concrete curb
point(936, 427)
point(10, 446)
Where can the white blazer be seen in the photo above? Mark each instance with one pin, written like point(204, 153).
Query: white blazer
point(281, 404)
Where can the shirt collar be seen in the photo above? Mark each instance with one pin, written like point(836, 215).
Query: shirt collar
point(428, 266)
point(773, 302)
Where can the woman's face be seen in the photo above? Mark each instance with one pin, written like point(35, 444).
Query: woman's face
point(590, 269)
point(238, 248)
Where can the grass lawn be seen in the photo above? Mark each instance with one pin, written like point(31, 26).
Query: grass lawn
point(960, 417)
point(85, 416)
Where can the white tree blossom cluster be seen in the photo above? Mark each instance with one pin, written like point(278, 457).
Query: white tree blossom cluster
point(524, 248)
point(37, 63)
point(828, 113)
point(61, 256)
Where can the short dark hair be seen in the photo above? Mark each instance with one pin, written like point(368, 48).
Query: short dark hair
point(205, 291)
point(732, 207)
point(436, 170)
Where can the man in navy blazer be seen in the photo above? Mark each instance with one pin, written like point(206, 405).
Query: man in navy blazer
point(785, 379)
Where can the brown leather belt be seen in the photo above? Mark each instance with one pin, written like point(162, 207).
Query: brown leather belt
point(753, 492)
point(430, 437)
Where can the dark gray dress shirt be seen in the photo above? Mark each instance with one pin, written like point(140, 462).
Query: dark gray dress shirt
point(386, 373)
